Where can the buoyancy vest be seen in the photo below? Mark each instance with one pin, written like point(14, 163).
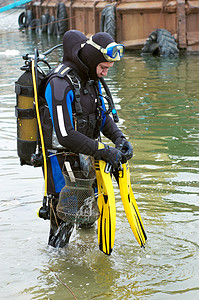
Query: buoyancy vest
point(85, 123)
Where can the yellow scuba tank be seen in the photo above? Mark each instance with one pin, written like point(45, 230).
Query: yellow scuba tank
point(26, 118)
point(29, 147)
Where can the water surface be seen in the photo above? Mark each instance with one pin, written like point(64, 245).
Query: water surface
point(157, 102)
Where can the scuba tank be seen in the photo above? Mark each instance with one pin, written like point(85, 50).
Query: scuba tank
point(27, 134)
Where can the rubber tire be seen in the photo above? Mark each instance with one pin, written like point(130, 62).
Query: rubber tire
point(29, 18)
point(160, 43)
point(108, 20)
point(62, 23)
point(44, 22)
point(56, 32)
point(22, 20)
point(51, 25)
point(35, 25)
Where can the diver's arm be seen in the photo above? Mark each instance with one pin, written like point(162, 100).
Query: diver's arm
point(110, 130)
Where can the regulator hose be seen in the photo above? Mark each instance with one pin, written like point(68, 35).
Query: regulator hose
point(110, 100)
point(39, 124)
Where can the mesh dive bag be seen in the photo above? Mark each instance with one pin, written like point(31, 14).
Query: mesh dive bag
point(77, 200)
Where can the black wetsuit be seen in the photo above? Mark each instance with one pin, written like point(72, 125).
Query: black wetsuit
point(80, 136)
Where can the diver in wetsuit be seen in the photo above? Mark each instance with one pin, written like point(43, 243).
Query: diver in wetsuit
point(77, 111)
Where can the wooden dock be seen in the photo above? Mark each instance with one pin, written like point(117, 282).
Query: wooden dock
point(134, 19)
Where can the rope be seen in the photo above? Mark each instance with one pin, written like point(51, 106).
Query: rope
point(65, 285)
point(55, 216)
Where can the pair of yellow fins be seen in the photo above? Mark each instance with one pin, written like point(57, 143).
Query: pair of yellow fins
point(106, 204)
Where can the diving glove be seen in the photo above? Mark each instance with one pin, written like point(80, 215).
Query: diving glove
point(125, 147)
point(109, 154)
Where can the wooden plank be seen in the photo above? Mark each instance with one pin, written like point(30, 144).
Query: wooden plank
point(192, 7)
point(193, 48)
point(134, 44)
point(149, 6)
point(181, 23)
point(192, 38)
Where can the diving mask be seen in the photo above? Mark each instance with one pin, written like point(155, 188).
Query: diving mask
point(112, 52)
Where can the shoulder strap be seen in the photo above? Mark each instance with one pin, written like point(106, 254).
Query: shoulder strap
point(63, 71)
point(77, 86)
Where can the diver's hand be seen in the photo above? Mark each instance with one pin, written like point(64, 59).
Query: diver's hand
point(110, 155)
point(125, 147)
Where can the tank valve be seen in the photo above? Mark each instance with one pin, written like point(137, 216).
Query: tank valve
point(36, 159)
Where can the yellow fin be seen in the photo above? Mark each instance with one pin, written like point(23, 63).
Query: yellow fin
point(106, 204)
point(130, 205)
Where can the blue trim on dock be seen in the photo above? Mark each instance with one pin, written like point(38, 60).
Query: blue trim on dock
point(13, 5)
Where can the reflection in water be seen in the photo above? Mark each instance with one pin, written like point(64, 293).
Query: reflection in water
point(157, 102)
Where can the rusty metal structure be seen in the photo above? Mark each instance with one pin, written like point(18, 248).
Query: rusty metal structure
point(135, 19)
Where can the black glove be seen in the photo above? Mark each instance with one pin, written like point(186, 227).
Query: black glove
point(110, 155)
point(123, 145)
